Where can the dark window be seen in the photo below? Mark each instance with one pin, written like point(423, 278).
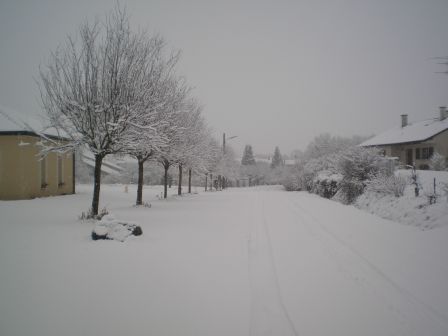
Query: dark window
point(417, 153)
point(60, 172)
point(43, 172)
point(427, 153)
point(409, 157)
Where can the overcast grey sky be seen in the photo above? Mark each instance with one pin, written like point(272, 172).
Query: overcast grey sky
point(270, 72)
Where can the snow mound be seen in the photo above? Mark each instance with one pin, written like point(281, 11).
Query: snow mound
point(111, 229)
point(410, 209)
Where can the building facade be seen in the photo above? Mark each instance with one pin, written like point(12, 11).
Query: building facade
point(24, 175)
point(415, 143)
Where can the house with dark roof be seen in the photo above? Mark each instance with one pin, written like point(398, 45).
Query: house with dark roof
point(414, 143)
point(23, 173)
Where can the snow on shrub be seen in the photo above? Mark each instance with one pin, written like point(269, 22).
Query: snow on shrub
point(387, 184)
point(111, 229)
point(291, 183)
point(90, 215)
point(422, 210)
point(438, 162)
point(445, 190)
point(326, 183)
point(309, 172)
point(357, 165)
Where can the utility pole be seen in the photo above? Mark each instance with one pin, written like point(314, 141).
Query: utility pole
point(224, 143)
point(221, 179)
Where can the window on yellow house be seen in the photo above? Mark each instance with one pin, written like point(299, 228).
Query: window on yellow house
point(60, 171)
point(43, 173)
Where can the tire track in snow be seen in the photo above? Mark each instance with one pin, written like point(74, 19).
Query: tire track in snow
point(269, 316)
point(409, 309)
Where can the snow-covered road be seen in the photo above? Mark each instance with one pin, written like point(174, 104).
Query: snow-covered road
point(254, 261)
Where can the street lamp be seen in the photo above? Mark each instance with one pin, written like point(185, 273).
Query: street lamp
point(224, 141)
point(222, 180)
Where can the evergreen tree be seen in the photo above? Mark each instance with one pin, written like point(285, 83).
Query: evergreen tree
point(248, 156)
point(277, 158)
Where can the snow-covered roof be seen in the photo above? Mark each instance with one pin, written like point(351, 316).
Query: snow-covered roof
point(413, 132)
point(12, 121)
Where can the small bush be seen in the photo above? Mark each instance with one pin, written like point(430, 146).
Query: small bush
point(387, 184)
point(438, 162)
point(291, 183)
point(357, 165)
point(89, 214)
point(326, 184)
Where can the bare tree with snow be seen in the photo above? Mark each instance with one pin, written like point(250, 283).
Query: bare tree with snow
point(90, 87)
point(156, 118)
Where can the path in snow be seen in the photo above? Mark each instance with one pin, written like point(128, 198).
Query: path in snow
point(385, 305)
point(269, 314)
point(408, 309)
point(243, 262)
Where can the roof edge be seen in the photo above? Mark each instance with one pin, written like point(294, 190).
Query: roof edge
point(30, 133)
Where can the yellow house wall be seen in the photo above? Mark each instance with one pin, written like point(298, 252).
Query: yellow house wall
point(20, 175)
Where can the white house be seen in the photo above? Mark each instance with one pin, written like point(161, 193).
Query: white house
point(415, 143)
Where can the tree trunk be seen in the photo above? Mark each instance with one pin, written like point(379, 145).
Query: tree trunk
point(97, 184)
point(179, 187)
point(165, 180)
point(189, 181)
point(206, 176)
point(140, 181)
point(211, 182)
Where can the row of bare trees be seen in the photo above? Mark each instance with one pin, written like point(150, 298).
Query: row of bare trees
point(116, 91)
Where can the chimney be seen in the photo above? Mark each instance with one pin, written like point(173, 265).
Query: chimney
point(443, 112)
point(404, 120)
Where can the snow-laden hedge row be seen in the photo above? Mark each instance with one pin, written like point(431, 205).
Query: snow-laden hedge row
point(344, 174)
point(363, 177)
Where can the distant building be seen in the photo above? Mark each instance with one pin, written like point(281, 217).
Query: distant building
point(23, 175)
point(415, 143)
point(108, 168)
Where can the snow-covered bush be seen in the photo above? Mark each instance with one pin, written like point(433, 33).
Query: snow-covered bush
point(387, 184)
point(357, 165)
point(438, 162)
point(291, 183)
point(445, 190)
point(326, 183)
point(324, 166)
point(90, 215)
point(321, 158)
point(111, 229)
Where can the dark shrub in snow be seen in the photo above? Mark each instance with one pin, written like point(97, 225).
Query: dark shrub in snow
point(97, 236)
point(326, 184)
point(137, 231)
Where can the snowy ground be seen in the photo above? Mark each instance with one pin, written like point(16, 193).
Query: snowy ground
point(409, 209)
point(239, 262)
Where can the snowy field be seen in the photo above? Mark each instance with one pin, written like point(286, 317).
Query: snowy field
point(254, 261)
